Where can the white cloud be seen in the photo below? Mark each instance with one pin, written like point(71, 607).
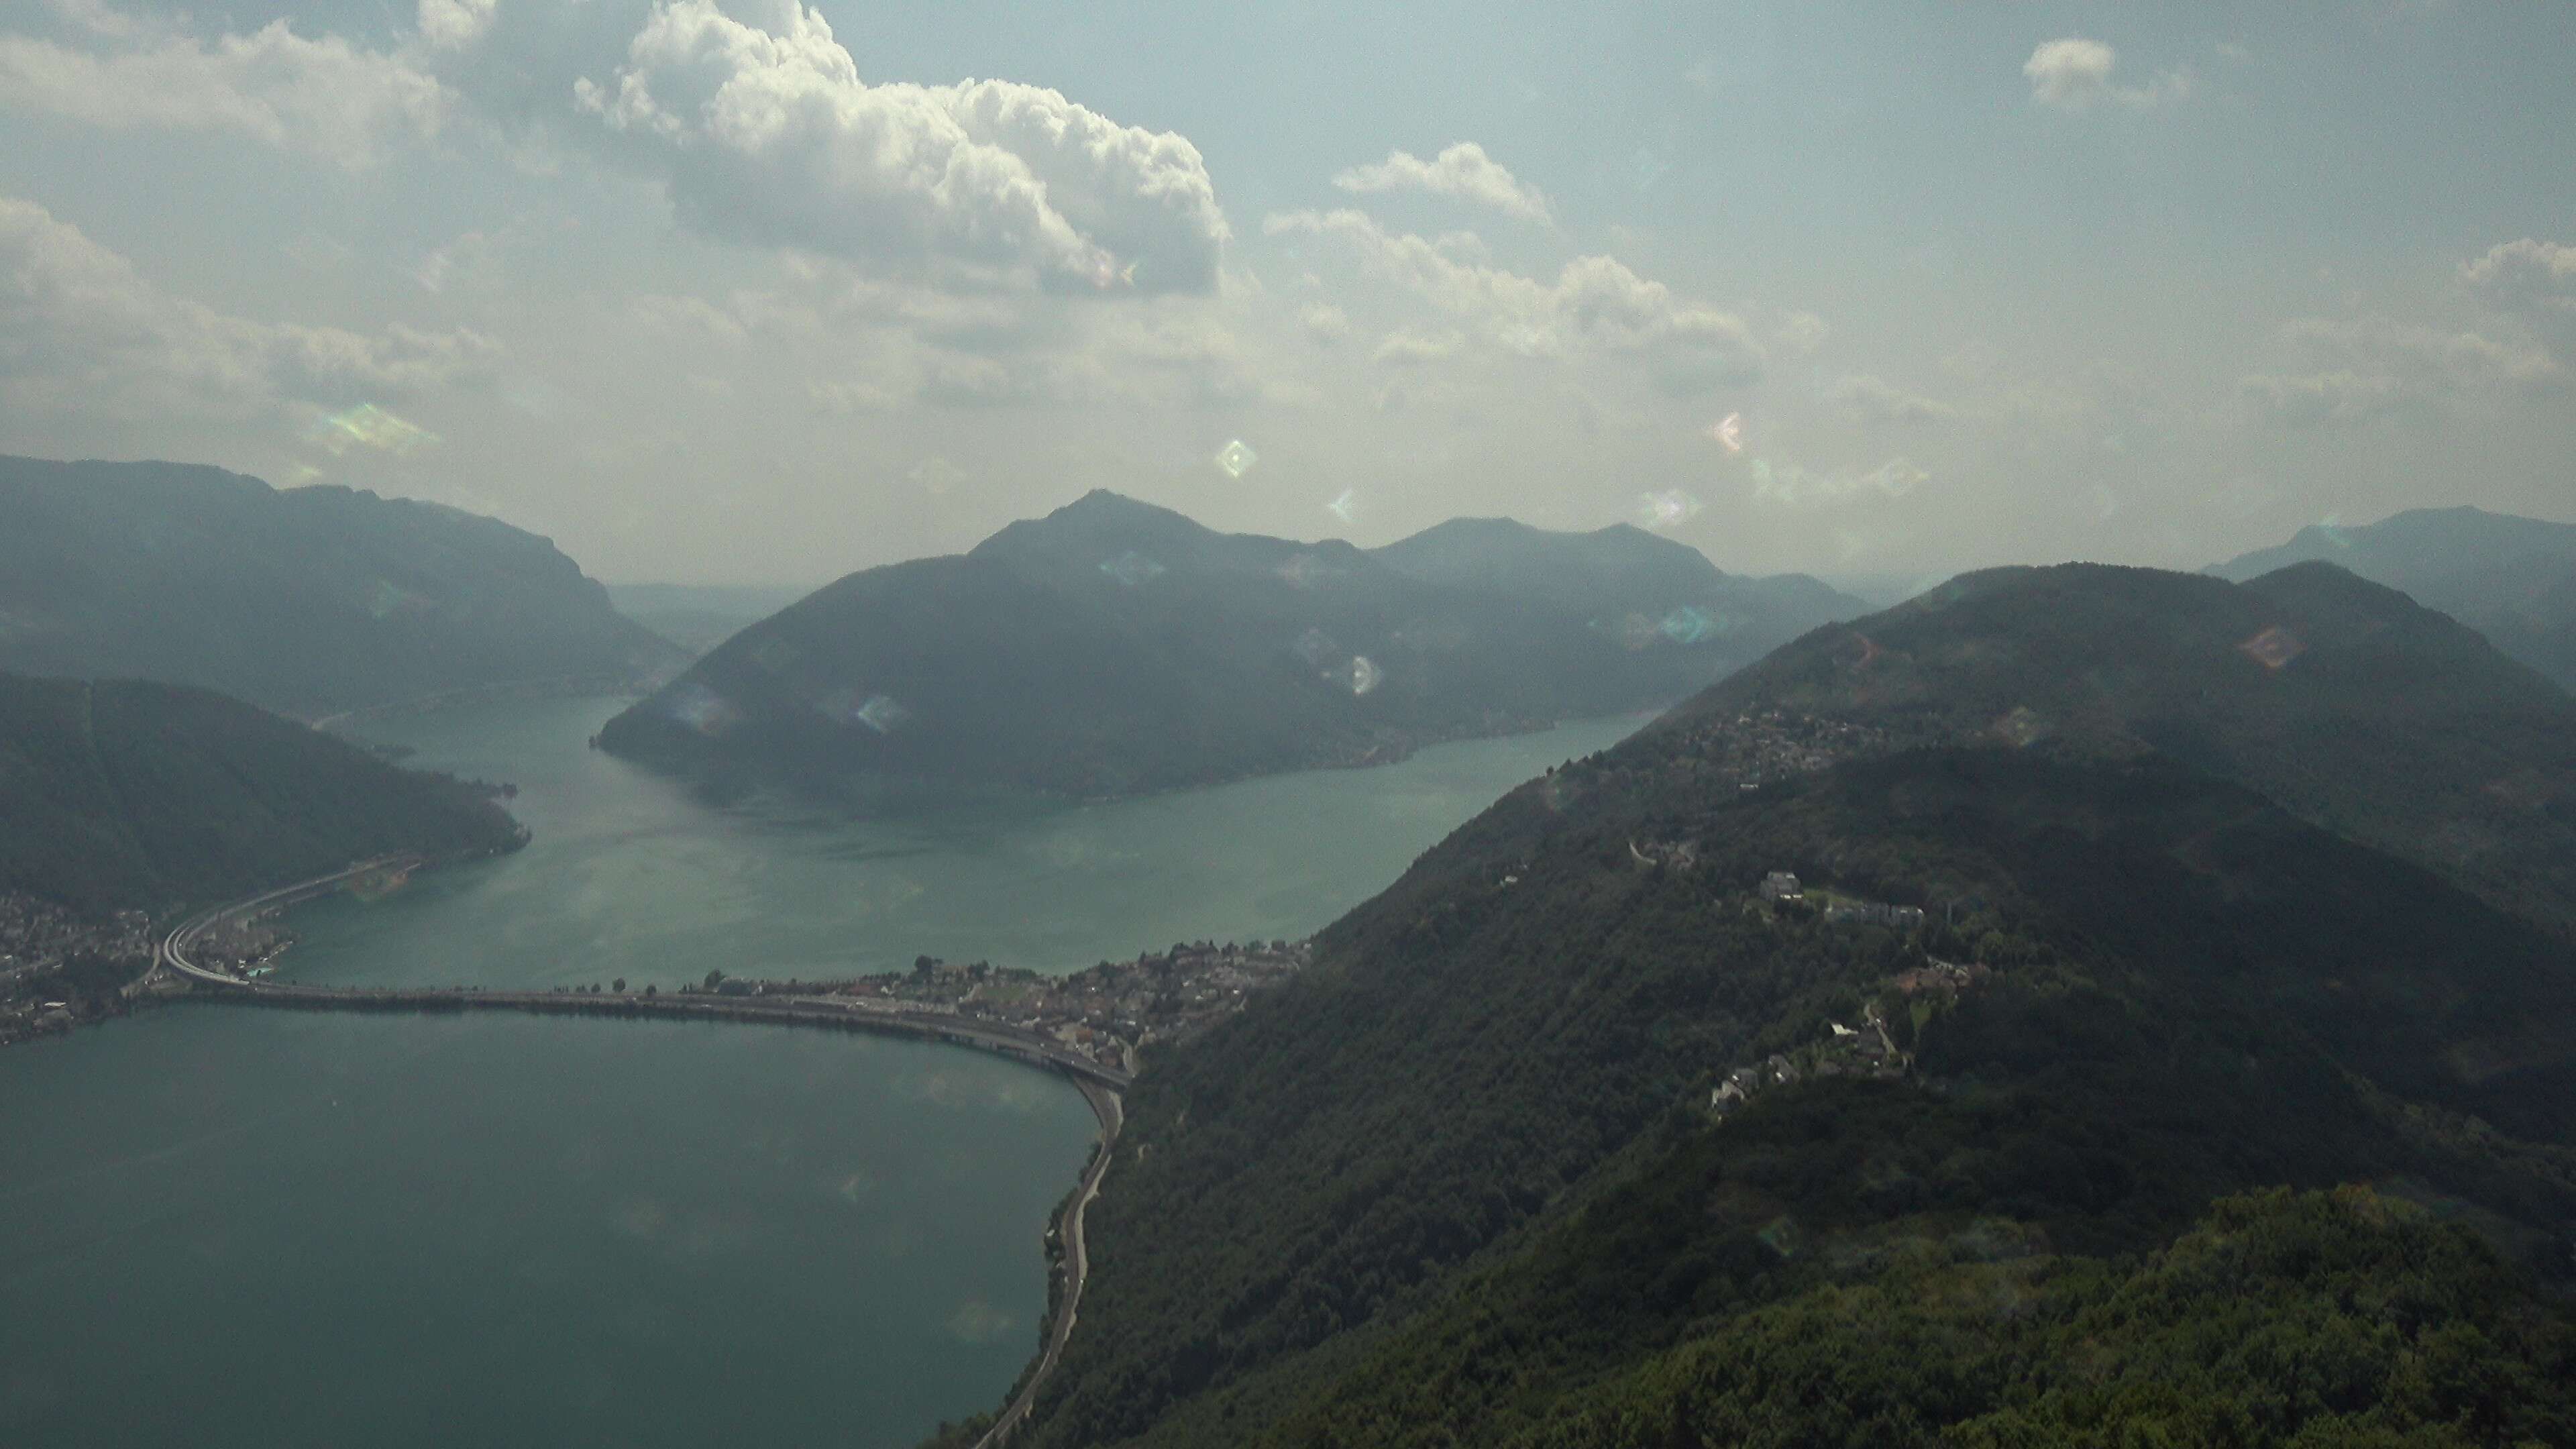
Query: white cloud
point(468, 257)
point(454, 24)
point(1787, 483)
point(1324, 322)
point(1801, 332)
point(324, 97)
point(1863, 396)
point(769, 136)
point(2535, 280)
point(82, 332)
point(1463, 172)
point(2527, 269)
point(2366, 367)
point(2074, 74)
point(2315, 399)
point(1596, 304)
point(1412, 349)
point(95, 16)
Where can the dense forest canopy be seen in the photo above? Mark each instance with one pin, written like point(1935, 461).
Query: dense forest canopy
point(121, 795)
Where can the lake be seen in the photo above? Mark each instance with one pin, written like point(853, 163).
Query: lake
point(226, 1226)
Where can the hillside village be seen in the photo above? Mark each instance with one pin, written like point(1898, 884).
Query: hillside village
point(1869, 1050)
point(1764, 747)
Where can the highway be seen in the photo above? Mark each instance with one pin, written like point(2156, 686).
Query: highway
point(848, 1013)
point(1111, 1110)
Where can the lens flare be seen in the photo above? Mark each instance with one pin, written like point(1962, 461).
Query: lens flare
point(2274, 648)
point(1667, 509)
point(367, 426)
point(1132, 568)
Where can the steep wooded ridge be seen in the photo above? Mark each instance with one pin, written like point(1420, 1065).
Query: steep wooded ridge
point(2512, 579)
point(120, 795)
point(2343, 701)
point(307, 601)
point(1113, 647)
point(1456, 1184)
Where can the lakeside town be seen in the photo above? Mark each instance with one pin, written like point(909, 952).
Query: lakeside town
point(1105, 1012)
point(59, 968)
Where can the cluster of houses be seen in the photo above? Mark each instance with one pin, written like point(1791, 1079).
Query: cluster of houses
point(38, 940)
point(1866, 1050)
point(1863, 1051)
point(1780, 886)
point(1758, 748)
point(1105, 1012)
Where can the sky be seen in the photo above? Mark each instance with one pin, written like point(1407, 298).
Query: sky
point(748, 291)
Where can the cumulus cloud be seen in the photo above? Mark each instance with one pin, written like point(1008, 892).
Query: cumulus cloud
point(1595, 305)
point(1787, 483)
point(2364, 367)
point(2533, 279)
point(1324, 322)
point(2527, 270)
point(769, 136)
point(2074, 74)
point(323, 97)
point(1801, 332)
point(453, 24)
point(1867, 398)
point(1463, 172)
point(1412, 349)
point(82, 331)
point(2315, 399)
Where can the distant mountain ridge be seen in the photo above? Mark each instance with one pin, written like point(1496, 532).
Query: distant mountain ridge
point(2512, 579)
point(1114, 647)
point(308, 601)
point(2345, 701)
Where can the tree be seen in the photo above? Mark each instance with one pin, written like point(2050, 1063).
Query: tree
point(714, 978)
point(619, 985)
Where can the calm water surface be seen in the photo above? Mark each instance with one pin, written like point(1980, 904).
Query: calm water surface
point(630, 876)
point(226, 1226)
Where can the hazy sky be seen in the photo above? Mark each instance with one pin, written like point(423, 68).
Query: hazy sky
point(738, 290)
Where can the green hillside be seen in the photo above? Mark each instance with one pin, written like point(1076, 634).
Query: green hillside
point(129, 796)
point(1459, 1184)
point(307, 601)
point(2341, 700)
point(1112, 648)
point(2512, 579)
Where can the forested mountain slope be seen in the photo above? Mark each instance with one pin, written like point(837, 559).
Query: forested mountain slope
point(2341, 700)
point(121, 795)
point(1113, 648)
point(1458, 1182)
point(2512, 579)
point(308, 601)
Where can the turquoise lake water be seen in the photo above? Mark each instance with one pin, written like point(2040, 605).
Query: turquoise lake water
point(227, 1226)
